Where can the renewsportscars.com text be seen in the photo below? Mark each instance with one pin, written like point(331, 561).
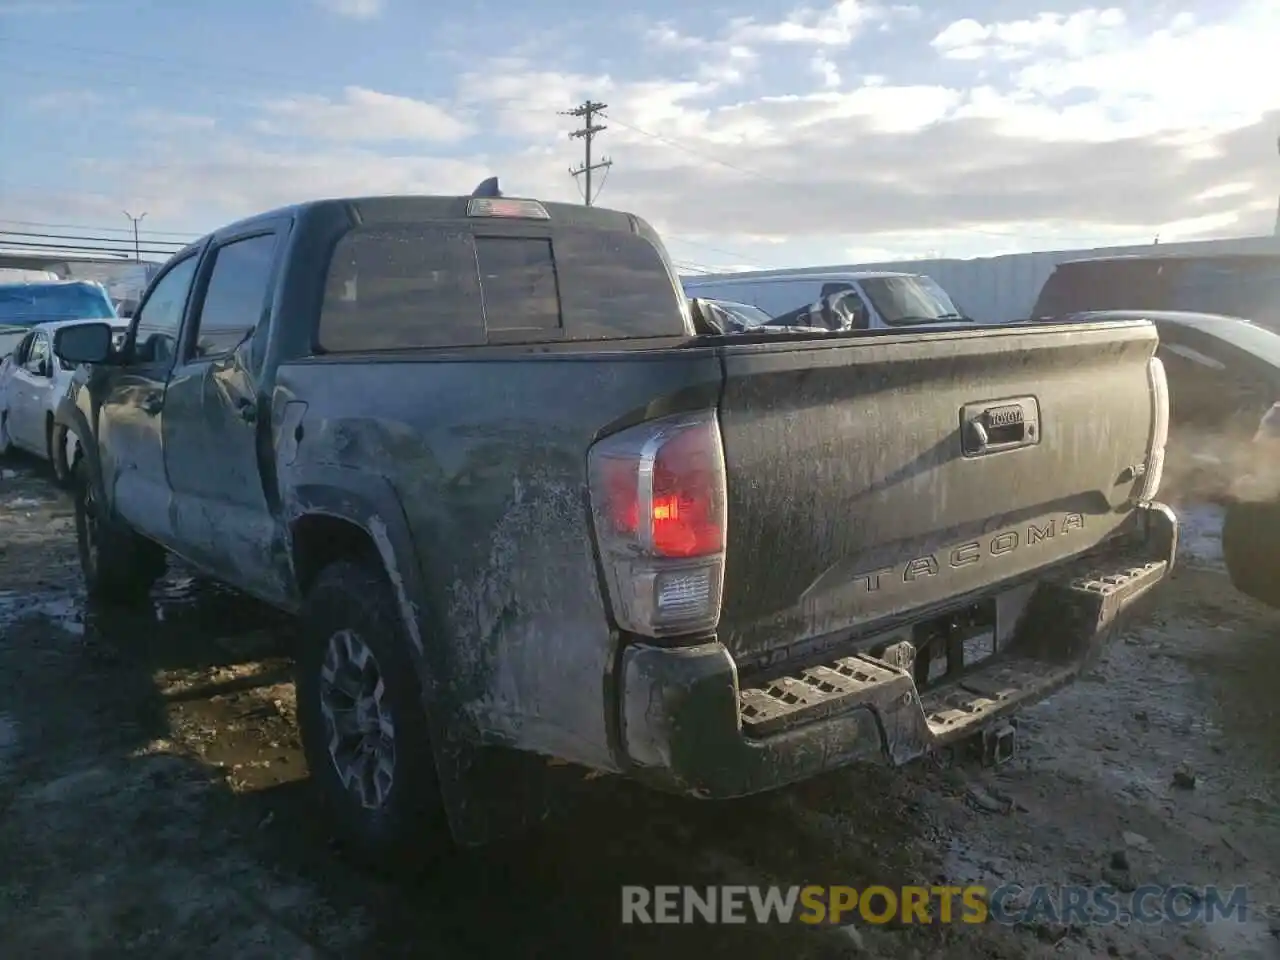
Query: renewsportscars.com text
point(1007, 905)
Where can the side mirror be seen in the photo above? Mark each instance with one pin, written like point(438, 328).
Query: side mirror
point(46, 367)
point(84, 343)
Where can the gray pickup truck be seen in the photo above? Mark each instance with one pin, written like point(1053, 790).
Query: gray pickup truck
point(524, 510)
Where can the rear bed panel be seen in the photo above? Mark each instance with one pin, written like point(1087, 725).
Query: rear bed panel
point(850, 498)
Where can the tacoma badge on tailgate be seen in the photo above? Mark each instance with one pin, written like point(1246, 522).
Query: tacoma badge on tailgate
point(973, 551)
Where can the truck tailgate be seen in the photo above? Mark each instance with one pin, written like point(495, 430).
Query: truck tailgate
point(857, 495)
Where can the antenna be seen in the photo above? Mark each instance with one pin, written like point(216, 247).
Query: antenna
point(488, 188)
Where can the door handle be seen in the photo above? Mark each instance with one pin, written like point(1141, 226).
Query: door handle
point(152, 403)
point(247, 409)
point(999, 425)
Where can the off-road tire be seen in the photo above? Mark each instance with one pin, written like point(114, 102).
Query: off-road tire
point(1251, 549)
point(409, 830)
point(119, 566)
point(6, 444)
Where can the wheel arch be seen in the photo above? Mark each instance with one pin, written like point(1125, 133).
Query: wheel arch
point(69, 416)
point(335, 514)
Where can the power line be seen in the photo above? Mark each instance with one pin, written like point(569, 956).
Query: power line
point(39, 247)
point(587, 133)
point(80, 226)
point(740, 257)
point(177, 245)
point(698, 153)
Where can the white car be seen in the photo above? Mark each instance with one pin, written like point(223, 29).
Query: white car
point(32, 381)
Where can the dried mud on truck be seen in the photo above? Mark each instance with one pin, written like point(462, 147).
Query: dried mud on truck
point(524, 510)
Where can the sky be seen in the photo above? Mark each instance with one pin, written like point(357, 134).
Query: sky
point(754, 134)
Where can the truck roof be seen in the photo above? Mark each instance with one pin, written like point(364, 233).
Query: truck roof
point(418, 207)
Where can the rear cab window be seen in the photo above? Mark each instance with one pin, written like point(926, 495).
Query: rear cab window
point(518, 287)
point(405, 285)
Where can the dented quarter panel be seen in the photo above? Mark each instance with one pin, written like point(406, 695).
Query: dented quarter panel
point(487, 458)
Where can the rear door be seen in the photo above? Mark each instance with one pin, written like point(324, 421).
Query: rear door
point(855, 496)
point(213, 417)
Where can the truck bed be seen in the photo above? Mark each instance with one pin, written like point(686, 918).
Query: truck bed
point(851, 502)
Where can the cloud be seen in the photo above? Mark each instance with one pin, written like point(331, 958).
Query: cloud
point(362, 115)
point(835, 26)
point(826, 70)
point(355, 9)
point(1076, 34)
point(1056, 130)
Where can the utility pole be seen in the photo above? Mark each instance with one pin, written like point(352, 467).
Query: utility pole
point(587, 111)
point(137, 247)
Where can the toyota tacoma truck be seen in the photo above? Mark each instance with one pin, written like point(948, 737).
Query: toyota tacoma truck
point(528, 516)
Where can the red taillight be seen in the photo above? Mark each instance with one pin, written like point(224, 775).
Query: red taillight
point(687, 512)
point(658, 491)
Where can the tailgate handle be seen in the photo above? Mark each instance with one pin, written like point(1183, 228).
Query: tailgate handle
point(995, 425)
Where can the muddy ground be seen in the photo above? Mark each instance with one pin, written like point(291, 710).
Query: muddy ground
point(153, 799)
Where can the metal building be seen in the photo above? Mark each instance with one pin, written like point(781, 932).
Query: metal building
point(1004, 288)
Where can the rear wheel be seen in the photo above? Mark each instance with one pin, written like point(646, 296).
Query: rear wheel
point(119, 566)
point(1251, 549)
point(363, 726)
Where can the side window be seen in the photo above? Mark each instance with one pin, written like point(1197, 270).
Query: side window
point(37, 355)
point(733, 292)
point(21, 350)
point(518, 285)
point(796, 304)
point(159, 319)
point(785, 297)
point(401, 286)
point(236, 296)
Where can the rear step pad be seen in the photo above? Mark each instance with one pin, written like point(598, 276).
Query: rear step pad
point(1086, 596)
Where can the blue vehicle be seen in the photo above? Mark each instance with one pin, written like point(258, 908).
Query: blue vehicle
point(23, 305)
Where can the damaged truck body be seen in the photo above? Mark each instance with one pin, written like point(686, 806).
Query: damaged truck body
point(523, 510)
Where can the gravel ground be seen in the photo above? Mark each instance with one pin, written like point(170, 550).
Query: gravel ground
point(154, 798)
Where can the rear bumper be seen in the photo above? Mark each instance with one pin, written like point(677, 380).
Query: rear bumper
point(683, 709)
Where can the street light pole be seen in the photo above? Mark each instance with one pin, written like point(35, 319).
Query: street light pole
point(137, 247)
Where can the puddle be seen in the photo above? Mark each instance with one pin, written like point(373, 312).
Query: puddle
point(249, 735)
point(66, 613)
point(1200, 535)
point(25, 503)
